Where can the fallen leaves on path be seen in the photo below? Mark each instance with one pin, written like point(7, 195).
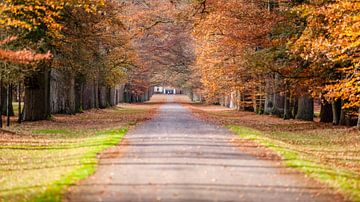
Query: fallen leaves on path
point(331, 145)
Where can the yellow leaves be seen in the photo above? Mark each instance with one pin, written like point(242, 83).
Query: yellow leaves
point(222, 36)
point(40, 14)
point(331, 38)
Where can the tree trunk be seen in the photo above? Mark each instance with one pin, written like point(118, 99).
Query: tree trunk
point(88, 97)
point(102, 91)
point(343, 115)
point(1, 103)
point(305, 108)
point(79, 94)
point(62, 96)
point(37, 93)
point(358, 122)
point(9, 107)
point(19, 103)
point(336, 109)
point(1, 90)
point(287, 113)
point(96, 93)
point(326, 114)
point(5, 106)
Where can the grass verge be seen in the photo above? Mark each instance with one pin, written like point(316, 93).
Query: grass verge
point(38, 160)
point(295, 156)
point(46, 168)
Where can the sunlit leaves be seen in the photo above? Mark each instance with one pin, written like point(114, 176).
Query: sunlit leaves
point(332, 39)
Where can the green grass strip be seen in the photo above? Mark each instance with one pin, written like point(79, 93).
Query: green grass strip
point(88, 163)
point(345, 181)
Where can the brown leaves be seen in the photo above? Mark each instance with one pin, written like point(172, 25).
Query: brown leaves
point(222, 36)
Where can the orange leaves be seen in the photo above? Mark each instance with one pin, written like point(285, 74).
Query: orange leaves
point(223, 35)
point(332, 39)
point(22, 57)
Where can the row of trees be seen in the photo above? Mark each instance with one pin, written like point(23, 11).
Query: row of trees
point(276, 57)
point(66, 56)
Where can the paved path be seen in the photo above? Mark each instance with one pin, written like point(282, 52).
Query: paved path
point(176, 157)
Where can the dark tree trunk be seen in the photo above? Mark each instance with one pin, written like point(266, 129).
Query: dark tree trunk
point(287, 111)
point(326, 114)
point(295, 106)
point(5, 100)
point(336, 110)
point(305, 108)
point(88, 96)
point(37, 93)
point(103, 97)
point(96, 93)
point(343, 115)
point(19, 103)
point(358, 122)
point(111, 96)
point(9, 107)
point(79, 93)
point(1, 103)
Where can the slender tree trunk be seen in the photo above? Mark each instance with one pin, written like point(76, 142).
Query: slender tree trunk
point(287, 114)
point(1, 103)
point(96, 93)
point(358, 122)
point(5, 101)
point(19, 103)
point(8, 104)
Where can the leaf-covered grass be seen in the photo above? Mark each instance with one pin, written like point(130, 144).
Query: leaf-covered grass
point(296, 152)
point(43, 158)
point(52, 131)
point(39, 170)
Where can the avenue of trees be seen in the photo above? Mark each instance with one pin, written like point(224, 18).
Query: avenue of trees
point(65, 57)
point(269, 56)
point(277, 57)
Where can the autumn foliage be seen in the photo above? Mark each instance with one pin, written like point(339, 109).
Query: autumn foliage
point(271, 56)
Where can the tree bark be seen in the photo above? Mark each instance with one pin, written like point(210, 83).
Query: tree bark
point(96, 93)
point(37, 93)
point(19, 103)
point(358, 122)
point(5, 100)
point(79, 93)
point(336, 109)
point(343, 115)
point(9, 106)
point(287, 113)
point(88, 97)
point(103, 101)
point(305, 108)
point(1, 103)
point(326, 114)
point(62, 96)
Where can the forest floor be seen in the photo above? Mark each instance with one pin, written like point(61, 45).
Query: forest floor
point(327, 153)
point(39, 159)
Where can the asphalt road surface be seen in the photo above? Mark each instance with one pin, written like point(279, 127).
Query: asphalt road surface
point(177, 157)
